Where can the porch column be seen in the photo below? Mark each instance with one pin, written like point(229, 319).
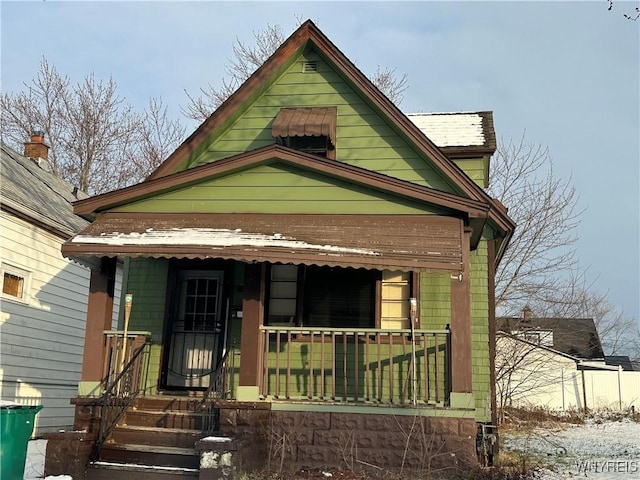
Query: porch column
point(99, 315)
point(250, 340)
point(461, 383)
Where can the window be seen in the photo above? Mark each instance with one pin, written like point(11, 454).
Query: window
point(15, 283)
point(338, 297)
point(308, 129)
point(396, 290)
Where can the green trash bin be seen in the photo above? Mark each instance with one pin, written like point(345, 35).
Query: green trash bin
point(16, 427)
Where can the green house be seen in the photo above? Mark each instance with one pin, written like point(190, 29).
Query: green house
point(310, 255)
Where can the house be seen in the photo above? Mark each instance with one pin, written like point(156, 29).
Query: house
point(577, 337)
point(310, 270)
point(44, 295)
point(532, 374)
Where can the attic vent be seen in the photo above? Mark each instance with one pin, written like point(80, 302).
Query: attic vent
point(310, 67)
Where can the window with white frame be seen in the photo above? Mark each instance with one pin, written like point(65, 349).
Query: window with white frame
point(15, 282)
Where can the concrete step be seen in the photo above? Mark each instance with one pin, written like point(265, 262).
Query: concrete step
point(150, 455)
point(164, 419)
point(160, 436)
point(102, 470)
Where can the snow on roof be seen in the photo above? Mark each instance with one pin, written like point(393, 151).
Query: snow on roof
point(451, 129)
point(211, 237)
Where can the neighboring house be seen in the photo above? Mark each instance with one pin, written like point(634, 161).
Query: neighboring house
point(577, 337)
point(532, 374)
point(313, 245)
point(44, 295)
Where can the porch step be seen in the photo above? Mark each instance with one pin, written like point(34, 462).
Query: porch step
point(159, 436)
point(150, 455)
point(167, 403)
point(119, 471)
point(163, 419)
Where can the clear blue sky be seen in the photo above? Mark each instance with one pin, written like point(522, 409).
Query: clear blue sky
point(567, 73)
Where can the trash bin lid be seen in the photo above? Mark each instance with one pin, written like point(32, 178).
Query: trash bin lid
point(6, 405)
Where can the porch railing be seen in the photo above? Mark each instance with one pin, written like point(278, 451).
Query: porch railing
point(355, 365)
point(124, 376)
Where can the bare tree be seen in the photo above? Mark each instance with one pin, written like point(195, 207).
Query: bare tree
point(635, 15)
point(97, 141)
point(540, 259)
point(246, 59)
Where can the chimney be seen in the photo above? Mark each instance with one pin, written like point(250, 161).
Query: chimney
point(36, 148)
point(526, 313)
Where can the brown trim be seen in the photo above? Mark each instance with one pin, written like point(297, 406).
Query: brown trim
point(461, 346)
point(282, 154)
point(252, 319)
point(401, 242)
point(99, 315)
point(491, 281)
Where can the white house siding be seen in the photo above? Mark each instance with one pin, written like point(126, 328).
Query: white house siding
point(542, 378)
point(41, 341)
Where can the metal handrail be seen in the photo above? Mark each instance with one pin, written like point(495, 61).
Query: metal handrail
point(217, 390)
point(116, 400)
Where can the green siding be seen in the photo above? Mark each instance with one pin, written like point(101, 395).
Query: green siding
point(364, 138)
point(277, 188)
point(481, 375)
point(475, 168)
point(148, 284)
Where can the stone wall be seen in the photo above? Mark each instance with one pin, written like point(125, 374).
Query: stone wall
point(291, 440)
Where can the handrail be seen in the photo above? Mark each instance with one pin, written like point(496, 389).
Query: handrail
point(217, 390)
point(118, 397)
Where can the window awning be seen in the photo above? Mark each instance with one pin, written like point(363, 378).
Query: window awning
point(384, 242)
point(306, 121)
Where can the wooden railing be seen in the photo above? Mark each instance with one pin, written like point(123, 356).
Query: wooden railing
point(119, 351)
point(355, 365)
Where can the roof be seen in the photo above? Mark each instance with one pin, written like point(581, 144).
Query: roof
point(39, 196)
point(621, 360)
point(427, 242)
point(577, 337)
point(458, 132)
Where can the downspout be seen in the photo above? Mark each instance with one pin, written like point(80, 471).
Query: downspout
point(413, 305)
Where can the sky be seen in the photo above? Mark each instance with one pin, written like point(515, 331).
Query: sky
point(563, 74)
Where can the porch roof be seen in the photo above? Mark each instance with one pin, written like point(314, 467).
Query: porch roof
point(392, 242)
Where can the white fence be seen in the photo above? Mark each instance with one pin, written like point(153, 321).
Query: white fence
point(595, 389)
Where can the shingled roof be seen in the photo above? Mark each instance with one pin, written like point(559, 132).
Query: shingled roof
point(577, 337)
point(41, 197)
point(458, 132)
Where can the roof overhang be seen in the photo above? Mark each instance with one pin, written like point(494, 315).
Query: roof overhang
point(384, 242)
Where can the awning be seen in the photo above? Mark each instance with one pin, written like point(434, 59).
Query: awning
point(306, 121)
point(392, 242)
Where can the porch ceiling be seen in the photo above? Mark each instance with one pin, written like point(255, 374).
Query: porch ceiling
point(393, 242)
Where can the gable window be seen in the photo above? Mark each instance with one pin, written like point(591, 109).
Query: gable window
point(338, 297)
point(15, 283)
point(308, 129)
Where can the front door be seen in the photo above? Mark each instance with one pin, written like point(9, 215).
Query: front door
point(197, 329)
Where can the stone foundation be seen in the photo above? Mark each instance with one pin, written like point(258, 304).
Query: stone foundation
point(284, 440)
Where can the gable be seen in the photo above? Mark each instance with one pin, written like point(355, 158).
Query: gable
point(278, 187)
point(364, 138)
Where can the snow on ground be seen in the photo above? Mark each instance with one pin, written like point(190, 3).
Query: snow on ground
point(599, 450)
point(34, 466)
point(607, 450)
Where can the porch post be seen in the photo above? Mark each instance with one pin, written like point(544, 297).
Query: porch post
point(250, 340)
point(99, 315)
point(461, 383)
